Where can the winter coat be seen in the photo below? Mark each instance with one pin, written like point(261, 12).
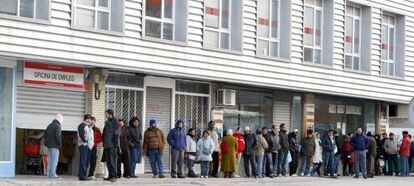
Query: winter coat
point(380, 149)
point(372, 149)
point(177, 138)
point(271, 143)
point(228, 160)
point(284, 141)
point(97, 136)
point(214, 136)
point(240, 142)
point(308, 147)
point(293, 144)
point(153, 139)
point(85, 135)
point(261, 145)
point(111, 134)
point(191, 148)
point(276, 141)
point(136, 136)
point(317, 157)
point(208, 144)
point(347, 153)
point(53, 135)
point(405, 147)
point(391, 146)
point(329, 145)
point(360, 142)
point(125, 140)
point(250, 143)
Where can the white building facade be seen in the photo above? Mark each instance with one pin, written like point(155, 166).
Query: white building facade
point(313, 64)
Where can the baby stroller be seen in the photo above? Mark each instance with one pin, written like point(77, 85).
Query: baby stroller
point(33, 160)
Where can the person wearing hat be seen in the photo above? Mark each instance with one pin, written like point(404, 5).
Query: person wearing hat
point(405, 149)
point(248, 154)
point(228, 154)
point(391, 150)
point(371, 154)
point(360, 143)
point(259, 152)
point(307, 152)
point(294, 152)
point(153, 147)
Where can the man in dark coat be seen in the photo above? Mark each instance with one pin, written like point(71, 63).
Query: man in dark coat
point(284, 150)
point(248, 154)
point(111, 144)
point(178, 141)
point(53, 140)
point(268, 160)
point(360, 143)
point(134, 130)
point(124, 154)
point(294, 152)
point(329, 150)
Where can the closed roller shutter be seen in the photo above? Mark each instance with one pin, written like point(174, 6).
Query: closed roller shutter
point(281, 112)
point(37, 107)
point(159, 108)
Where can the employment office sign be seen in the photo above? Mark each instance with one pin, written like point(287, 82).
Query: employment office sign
point(53, 75)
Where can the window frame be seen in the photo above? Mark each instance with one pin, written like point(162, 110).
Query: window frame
point(18, 17)
point(96, 9)
point(161, 20)
point(314, 47)
point(270, 39)
point(353, 54)
point(219, 30)
point(388, 61)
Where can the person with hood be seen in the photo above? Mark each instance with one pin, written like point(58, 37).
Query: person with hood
point(53, 140)
point(267, 159)
point(307, 152)
point(240, 144)
point(85, 145)
point(347, 156)
point(216, 155)
point(228, 159)
point(205, 149)
point(275, 148)
point(329, 151)
point(153, 147)
point(124, 154)
point(360, 143)
point(259, 152)
point(191, 152)
point(284, 150)
point(405, 149)
point(178, 141)
point(391, 150)
point(111, 144)
point(97, 138)
point(371, 154)
point(294, 152)
point(248, 154)
point(134, 130)
point(317, 157)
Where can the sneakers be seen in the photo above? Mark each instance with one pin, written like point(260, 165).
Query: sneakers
point(155, 176)
point(113, 180)
point(92, 177)
point(302, 174)
point(161, 176)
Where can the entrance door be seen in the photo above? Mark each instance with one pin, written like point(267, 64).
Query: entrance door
point(158, 107)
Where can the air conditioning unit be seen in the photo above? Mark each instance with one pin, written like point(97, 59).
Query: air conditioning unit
point(226, 97)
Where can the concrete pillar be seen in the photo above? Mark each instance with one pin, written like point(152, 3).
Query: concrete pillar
point(308, 113)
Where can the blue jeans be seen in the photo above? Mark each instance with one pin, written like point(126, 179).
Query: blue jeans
point(268, 164)
point(205, 167)
point(92, 162)
point(336, 164)
point(329, 162)
point(190, 166)
point(281, 169)
point(259, 164)
point(155, 159)
point(404, 166)
point(84, 155)
point(134, 159)
point(53, 155)
point(305, 164)
point(360, 162)
point(392, 163)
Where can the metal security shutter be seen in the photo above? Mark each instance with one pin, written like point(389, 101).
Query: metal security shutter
point(37, 107)
point(281, 112)
point(158, 104)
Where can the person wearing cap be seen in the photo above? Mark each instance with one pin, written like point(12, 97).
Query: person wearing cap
point(153, 147)
point(371, 154)
point(405, 149)
point(228, 154)
point(360, 143)
point(53, 140)
point(391, 150)
point(284, 150)
point(307, 152)
point(248, 154)
point(259, 153)
point(294, 152)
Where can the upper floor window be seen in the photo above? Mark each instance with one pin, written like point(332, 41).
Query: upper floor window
point(267, 28)
point(313, 31)
point(352, 37)
point(223, 24)
point(388, 45)
point(166, 19)
point(34, 9)
point(99, 14)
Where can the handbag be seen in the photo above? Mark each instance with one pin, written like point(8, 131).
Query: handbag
point(205, 150)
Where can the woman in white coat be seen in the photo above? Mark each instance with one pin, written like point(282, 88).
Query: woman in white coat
point(191, 152)
point(205, 149)
point(317, 158)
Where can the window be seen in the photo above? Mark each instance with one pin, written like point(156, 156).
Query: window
point(166, 19)
point(33, 9)
point(312, 31)
point(99, 14)
point(267, 28)
point(352, 37)
point(387, 45)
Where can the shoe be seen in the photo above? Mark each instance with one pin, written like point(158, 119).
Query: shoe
point(192, 176)
point(161, 176)
point(113, 180)
point(302, 174)
point(83, 179)
point(308, 175)
point(356, 176)
point(127, 177)
point(107, 179)
point(181, 176)
point(173, 176)
point(294, 175)
point(271, 176)
point(91, 178)
point(365, 176)
point(134, 176)
point(154, 176)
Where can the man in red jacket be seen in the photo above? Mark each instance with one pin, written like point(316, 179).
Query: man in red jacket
point(405, 149)
point(97, 138)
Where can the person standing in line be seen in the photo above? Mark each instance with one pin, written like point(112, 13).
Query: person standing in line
point(248, 154)
point(53, 140)
point(384, 136)
point(307, 152)
point(337, 154)
point(178, 141)
point(317, 158)
point(85, 145)
point(275, 149)
point(294, 152)
point(268, 159)
point(284, 150)
point(228, 149)
point(410, 159)
point(259, 153)
point(360, 143)
point(124, 154)
point(134, 130)
point(347, 156)
point(97, 138)
point(154, 148)
point(216, 156)
point(405, 149)
point(329, 151)
point(371, 154)
point(241, 146)
point(191, 152)
point(111, 144)
point(391, 150)
point(380, 155)
point(205, 148)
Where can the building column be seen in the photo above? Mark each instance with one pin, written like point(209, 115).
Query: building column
point(308, 113)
